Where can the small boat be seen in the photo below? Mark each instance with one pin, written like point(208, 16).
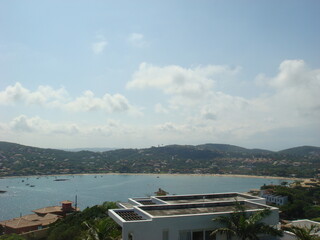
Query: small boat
point(61, 179)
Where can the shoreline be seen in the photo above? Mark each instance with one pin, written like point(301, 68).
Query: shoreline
point(162, 174)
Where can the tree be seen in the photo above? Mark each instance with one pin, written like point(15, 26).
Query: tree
point(245, 226)
point(102, 229)
point(73, 228)
point(11, 237)
point(305, 233)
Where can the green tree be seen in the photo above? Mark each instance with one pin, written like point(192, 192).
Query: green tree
point(11, 237)
point(305, 233)
point(102, 229)
point(245, 226)
point(72, 227)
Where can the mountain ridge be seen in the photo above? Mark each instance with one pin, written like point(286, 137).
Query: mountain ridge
point(303, 161)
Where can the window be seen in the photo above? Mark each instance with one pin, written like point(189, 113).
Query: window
point(185, 235)
point(208, 237)
point(165, 235)
point(197, 235)
point(130, 236)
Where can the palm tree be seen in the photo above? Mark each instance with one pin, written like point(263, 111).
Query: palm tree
point(102, 229)
point(243, 226)
point(305, 233)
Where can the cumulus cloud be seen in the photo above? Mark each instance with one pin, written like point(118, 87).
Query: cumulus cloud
point(176, 80)
point(137, 40)
point(23, 124)
point(46, 96)
point(108, 103)
point(17, 93)
point(289, 100)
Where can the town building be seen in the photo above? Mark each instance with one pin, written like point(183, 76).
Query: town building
point(40, 219)
point(183, 217)
point(274, 199)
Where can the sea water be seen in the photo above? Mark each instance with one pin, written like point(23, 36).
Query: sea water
point(24, 194)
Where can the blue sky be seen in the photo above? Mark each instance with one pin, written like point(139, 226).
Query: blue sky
point(142, 73)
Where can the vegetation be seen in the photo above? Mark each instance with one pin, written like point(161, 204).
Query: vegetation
point(11, 237)
point(90, 224)
point(245, 226)
point(304, 233)
point(302, 202)
point(17, 159)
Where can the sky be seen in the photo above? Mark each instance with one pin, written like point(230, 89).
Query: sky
point(136, 74)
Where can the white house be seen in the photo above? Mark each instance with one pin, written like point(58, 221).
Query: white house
point(182, 217)
point(275, 199)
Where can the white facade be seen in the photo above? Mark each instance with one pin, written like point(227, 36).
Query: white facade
point(182, 217)
point(275, 199)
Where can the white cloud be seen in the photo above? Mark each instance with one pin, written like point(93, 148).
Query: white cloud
point(46, 96)
point(176, 80)
point(18, 94)
point(21, 123)
point(99, 47)
point(160, 109)
point(288, 104)
point(200, 110)
point(41, 127)
point(137, 40)
point(109, 103)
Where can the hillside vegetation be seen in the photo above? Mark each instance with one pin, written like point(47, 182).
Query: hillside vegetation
point(18, 160)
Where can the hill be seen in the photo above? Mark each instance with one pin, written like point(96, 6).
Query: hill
point(302, 151)
point(232, 149)
point(87, 149)
point(16, 160)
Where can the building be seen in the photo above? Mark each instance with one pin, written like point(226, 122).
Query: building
point(274, 199)
point(183, 217)
point(41, 219)
point(304, 223)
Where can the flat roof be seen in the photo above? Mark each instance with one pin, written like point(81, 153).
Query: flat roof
point(197, 208)
point(215, 197)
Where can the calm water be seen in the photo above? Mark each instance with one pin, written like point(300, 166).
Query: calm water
point(20, 198)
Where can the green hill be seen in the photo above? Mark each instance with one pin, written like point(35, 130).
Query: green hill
point(17, 160)
point(302, 151)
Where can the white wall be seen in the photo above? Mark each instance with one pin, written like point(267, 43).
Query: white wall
point(147, 230)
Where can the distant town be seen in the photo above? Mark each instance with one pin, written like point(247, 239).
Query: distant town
point(299, 162)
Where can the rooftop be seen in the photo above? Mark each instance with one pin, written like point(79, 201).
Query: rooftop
point(46, 210)
point(205, 198)
point(30, 220)
point(196, 208)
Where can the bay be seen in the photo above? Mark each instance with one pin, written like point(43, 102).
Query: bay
point(25, 194)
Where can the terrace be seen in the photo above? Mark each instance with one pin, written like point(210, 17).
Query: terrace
point(197, 208)
point(172, 217)
point(205, 198)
